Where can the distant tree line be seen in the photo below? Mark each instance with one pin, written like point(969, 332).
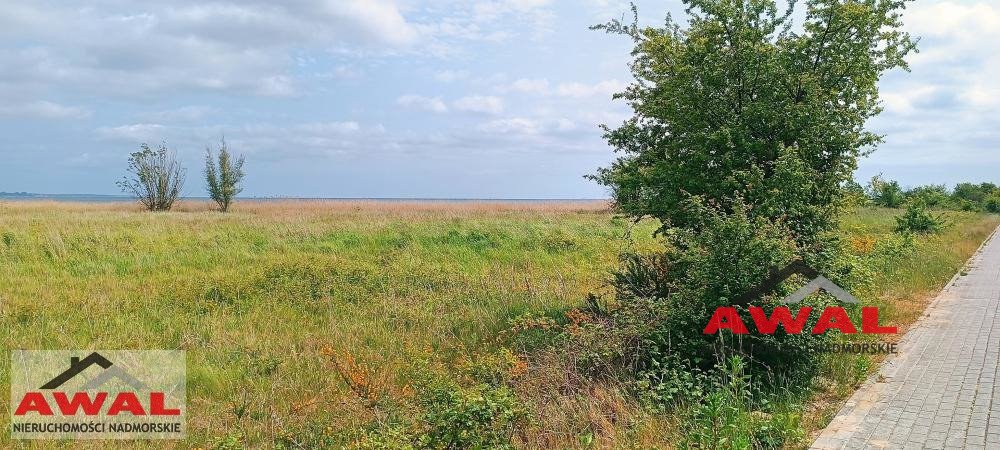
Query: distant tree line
point(889, 194)
point(156, 178)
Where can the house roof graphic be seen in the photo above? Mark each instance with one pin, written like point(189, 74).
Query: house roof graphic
point(817, 282)
point(77, 366)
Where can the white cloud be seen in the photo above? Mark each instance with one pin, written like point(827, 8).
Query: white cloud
point(182, 114)
point(139, 132)
point(44, 110)
point(434, 104)
point(483, 104)
point(528, 127)
point(541, 86)
point(905, 102)
point(530, 86)
point(947, 105)
point(380, 19)
point(580, 90)
point(158, 45)
point(449, 76)
point(514, 125)
point(276, 86)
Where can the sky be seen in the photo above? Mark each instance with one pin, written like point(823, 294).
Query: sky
point(406, 98)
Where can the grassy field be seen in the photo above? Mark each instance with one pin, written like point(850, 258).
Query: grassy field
point(256, 296)
point(259, 298)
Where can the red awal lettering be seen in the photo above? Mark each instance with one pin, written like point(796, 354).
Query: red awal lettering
point(833, 317)
point(80, 401)
point(124, 402)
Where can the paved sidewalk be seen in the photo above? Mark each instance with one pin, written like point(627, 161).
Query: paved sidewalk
point(940, 391)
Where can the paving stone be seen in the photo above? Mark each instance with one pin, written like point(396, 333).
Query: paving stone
point(940, 391)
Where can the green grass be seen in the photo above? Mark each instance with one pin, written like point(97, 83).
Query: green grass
point(259, 298)
point(902, 287)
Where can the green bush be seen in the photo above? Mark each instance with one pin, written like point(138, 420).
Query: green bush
point(716, 267)
point(918, 220)
point(733, 414)
point(886, 194)
point(480, 413)
point(993, 204)
point(853, 195)
point(932, 195)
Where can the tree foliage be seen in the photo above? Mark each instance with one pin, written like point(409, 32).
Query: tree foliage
point(885, 193)
point(745, 135)
point(918, 220)
point(155, 177)
point(223, 176)
point(742, 107)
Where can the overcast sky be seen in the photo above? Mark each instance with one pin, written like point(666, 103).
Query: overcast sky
point(406, 98)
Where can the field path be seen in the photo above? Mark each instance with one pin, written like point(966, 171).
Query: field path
point(940, 390)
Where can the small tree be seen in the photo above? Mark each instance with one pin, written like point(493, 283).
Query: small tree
point(223, 179)
point(885, 193)
point(155, 177)
point(748, 106)
point(747, 123)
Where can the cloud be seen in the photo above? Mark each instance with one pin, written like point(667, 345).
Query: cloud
point(434, 104)
point(515, 125)
point(483, 104)
point(943, 110)
point(449, 76)
point(44, 110)
point(182, 114)
point(538, 86)
point(580, 90)
point(541, 86)
point(161, 46)
point(480, 104)
point(522, 126)
point(136, 133)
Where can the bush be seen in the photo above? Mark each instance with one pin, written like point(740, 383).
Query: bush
point(483, 416)
point(916, 219)
point(993, 204)
point(932, 195)
point(156, 177)
point(224, 178)
point(886, 194)
point(975, 193)
point(716, 267)
point(482, 412)
point(854, 196)
point(664, 301)
point(732, 415)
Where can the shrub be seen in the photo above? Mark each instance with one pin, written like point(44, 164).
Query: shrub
point(854, 195)
point(481, 412)
point(483, 416)
point(917, 219)
point(732, 414)
point(886, 194)
point(663, 301)
point(716, 267)
point(975, 193)
point(155, 177)
point(932, 195)
point(223, 179)
point(993, 203)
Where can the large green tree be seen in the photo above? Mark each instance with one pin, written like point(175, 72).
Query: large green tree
point(746, 108)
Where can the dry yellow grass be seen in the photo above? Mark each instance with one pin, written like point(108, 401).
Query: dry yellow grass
point(289, 309)
point(259, 297)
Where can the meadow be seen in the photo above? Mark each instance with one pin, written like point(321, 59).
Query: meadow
point(260, 299)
